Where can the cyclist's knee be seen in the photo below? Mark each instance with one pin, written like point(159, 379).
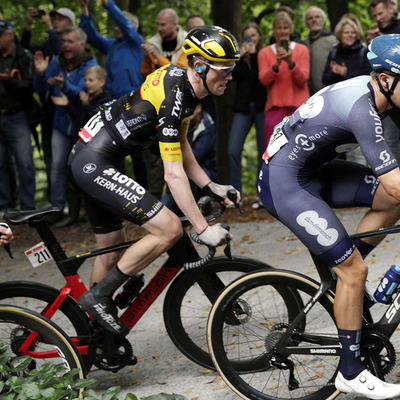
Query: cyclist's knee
point(166, 226)
point(175, 230)
point(353, 270)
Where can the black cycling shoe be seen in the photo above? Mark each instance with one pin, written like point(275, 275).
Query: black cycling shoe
point(104, 311)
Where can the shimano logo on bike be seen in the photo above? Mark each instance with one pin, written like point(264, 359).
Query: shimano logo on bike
point(89, 168)
point(325, 351)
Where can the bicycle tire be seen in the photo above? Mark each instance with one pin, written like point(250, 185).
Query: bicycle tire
point(186, 307)
point(254, 339)
point(36, 296)
point(15, 325)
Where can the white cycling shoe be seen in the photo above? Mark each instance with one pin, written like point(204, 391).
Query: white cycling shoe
point(368, 385)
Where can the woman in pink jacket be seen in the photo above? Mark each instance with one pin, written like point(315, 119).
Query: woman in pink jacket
point(284, 68)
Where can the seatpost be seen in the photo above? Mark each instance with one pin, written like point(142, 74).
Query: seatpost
point(48, 238)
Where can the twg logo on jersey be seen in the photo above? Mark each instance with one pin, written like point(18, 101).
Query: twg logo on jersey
point(316, 226)
point(177, 108)
point(89, 168)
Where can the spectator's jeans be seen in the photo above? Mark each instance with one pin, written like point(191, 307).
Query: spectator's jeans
point(15, 137)
point(240, 128)
point(61, 146)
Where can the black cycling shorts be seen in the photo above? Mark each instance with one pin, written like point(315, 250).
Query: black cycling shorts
point(110, 195)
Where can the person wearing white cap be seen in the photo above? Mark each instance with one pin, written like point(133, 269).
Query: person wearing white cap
point(63, 12)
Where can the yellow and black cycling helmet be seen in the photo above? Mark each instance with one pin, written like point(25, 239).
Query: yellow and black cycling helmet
point(213, 43)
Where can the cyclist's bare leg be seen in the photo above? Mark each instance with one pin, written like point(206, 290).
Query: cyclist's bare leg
point(103, 264)
point(385, 211)
point(352, 275)
point(164, 229)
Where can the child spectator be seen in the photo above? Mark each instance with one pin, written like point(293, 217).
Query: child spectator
point(92, 98)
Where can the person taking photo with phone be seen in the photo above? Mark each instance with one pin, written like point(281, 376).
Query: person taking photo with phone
point(248, 105)
point(284, 69)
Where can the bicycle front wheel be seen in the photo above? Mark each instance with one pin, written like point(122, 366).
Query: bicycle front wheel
point(304, 369)
point(26, 332)
point(189, 300)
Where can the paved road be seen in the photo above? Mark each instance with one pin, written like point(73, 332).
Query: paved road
point(161, 368)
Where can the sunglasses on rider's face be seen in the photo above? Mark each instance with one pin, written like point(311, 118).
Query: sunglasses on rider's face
point(225, 70)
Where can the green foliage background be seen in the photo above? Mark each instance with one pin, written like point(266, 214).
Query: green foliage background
point(147, 12)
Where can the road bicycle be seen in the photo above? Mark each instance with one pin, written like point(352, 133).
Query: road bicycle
point(270, 344)
point(27, 333)
point(194, 284)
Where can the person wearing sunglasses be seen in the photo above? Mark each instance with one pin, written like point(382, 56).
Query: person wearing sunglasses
point(158, 112)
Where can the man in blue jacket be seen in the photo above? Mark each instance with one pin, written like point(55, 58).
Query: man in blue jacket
point(124, 53)
point(124, 58)
point(64, 76)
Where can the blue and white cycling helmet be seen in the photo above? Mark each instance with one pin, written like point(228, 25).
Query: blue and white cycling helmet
point(384, 55)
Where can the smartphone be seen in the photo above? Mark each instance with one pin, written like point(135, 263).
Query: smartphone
point(247, 39)
point(285, 44)
point(40, 14)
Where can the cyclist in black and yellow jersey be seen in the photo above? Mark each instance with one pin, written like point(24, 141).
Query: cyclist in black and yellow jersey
point(160, 111)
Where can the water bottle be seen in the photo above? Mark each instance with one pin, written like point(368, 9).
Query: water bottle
point(388, 284)
point(129, 291)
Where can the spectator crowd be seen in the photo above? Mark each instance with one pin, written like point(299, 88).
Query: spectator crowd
point(49, 90)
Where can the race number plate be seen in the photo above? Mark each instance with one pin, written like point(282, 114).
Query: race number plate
point(277, 140)
point(38, 255)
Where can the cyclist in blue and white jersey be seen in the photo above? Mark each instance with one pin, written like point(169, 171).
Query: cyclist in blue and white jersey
point(302, 180)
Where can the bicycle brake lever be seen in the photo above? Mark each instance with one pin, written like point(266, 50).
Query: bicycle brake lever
point(227, 250)
point(232, 197)
point(7, 248)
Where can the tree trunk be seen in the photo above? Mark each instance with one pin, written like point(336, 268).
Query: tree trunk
point(228, 14)
point(336, 8)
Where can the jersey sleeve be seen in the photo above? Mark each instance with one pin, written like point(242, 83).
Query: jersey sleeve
point(366, 125)
point(167, 96)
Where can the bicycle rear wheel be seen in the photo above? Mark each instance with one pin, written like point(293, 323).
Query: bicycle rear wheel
point(266, 373)
point(37, 297)
point(51, 345)
point(189, 300)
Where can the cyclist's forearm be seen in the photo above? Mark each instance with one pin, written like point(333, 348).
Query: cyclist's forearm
point(179, 186)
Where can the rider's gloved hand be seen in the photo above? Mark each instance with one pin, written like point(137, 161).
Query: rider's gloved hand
point(218, 191)
point(214, 235)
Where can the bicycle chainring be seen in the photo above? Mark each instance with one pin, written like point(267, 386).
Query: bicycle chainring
point(376, 348)
point(17, 338)
point(110, 352)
